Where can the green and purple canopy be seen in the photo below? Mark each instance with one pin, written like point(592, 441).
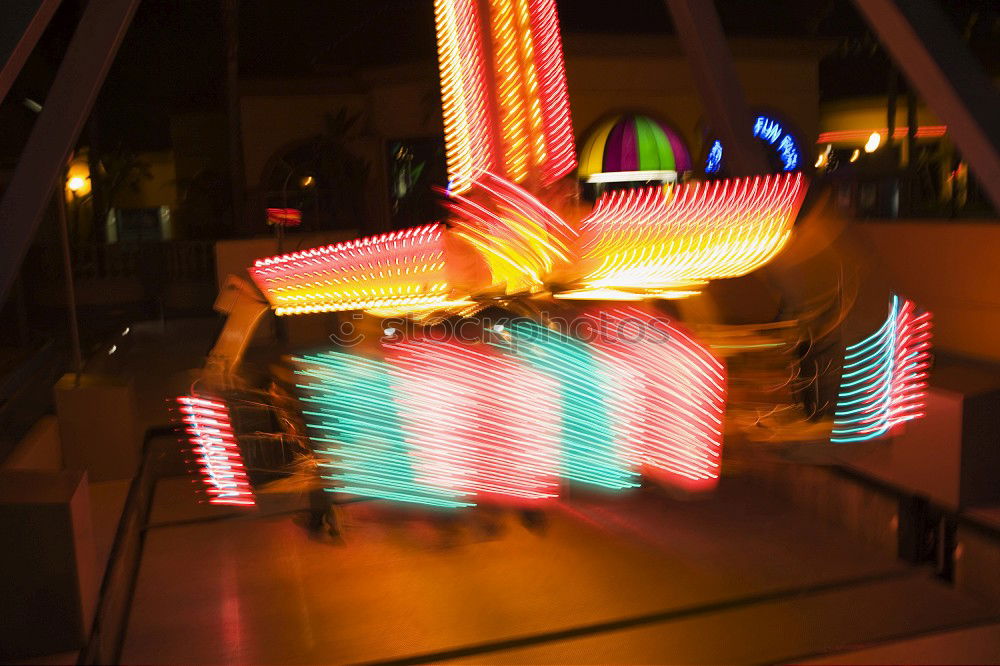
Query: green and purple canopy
point(632, 143)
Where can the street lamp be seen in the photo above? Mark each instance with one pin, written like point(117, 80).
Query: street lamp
point(873, 142)
point(288, 216)
point(77, 178)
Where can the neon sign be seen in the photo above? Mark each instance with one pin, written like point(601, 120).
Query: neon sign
point(771, 132)
point(714, 162)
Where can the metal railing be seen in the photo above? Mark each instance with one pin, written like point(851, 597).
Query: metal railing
point(26, 393)
point(118, 585)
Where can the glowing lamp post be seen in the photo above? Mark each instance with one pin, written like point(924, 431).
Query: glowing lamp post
point(76, 184)
point(873, 142)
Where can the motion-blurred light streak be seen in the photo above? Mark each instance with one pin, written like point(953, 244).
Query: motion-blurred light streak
point(210, 432)
point(402, 269)
point(359, 433)
point(669, 396)
point(591, 454)
point(636, 244)
point(671, 241)
point(884, 381)
point(468, 417)
point(448, 423)
point(464, 95)
point(521, 240)
point(503, 90)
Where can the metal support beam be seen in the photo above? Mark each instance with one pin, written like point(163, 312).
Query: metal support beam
point(22, 22)
point(700, 33)
point(67, 106)
point(67, 255)
point(938, 65)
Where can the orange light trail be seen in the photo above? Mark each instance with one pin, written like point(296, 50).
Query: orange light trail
point(521, 128)
point(520, 239)
point(529, 82)
point(923, 132)
point(399, 270)
point(510, 95)
point(464, 98)
point(560, 144)
point(670, 242)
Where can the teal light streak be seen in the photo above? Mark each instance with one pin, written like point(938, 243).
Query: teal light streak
point(590, 453)
point(864, 401)
point(358, 430)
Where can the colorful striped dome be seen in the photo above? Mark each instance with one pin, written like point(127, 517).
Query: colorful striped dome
point(631, 142)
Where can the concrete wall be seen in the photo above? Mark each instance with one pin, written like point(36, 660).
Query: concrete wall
point(49, 579)
point(650, 73)
point(41, 448)
point(159, 190)
point(950, 268)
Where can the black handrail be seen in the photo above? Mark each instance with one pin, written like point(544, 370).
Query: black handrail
point(107, 635)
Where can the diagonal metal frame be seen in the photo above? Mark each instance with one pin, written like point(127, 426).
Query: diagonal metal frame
point(926, 47)
point(700, 33)
point(22, 22)
point(67, 106)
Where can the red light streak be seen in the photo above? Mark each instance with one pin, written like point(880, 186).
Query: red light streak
point(403, 269)
point(670, 394)
point(560, 143)
point(287, 217)
point(909, 383)
point(210, 432)
point(466, 417)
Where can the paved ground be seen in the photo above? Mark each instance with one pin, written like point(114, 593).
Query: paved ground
point(976, 645)
point(739, 577)
point(736, 578)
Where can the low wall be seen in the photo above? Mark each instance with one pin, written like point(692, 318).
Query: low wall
point(951, 268)
point(41, 448)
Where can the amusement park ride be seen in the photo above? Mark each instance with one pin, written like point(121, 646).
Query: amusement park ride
point(530, 351)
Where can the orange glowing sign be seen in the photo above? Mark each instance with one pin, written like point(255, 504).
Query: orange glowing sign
point(286, 217)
